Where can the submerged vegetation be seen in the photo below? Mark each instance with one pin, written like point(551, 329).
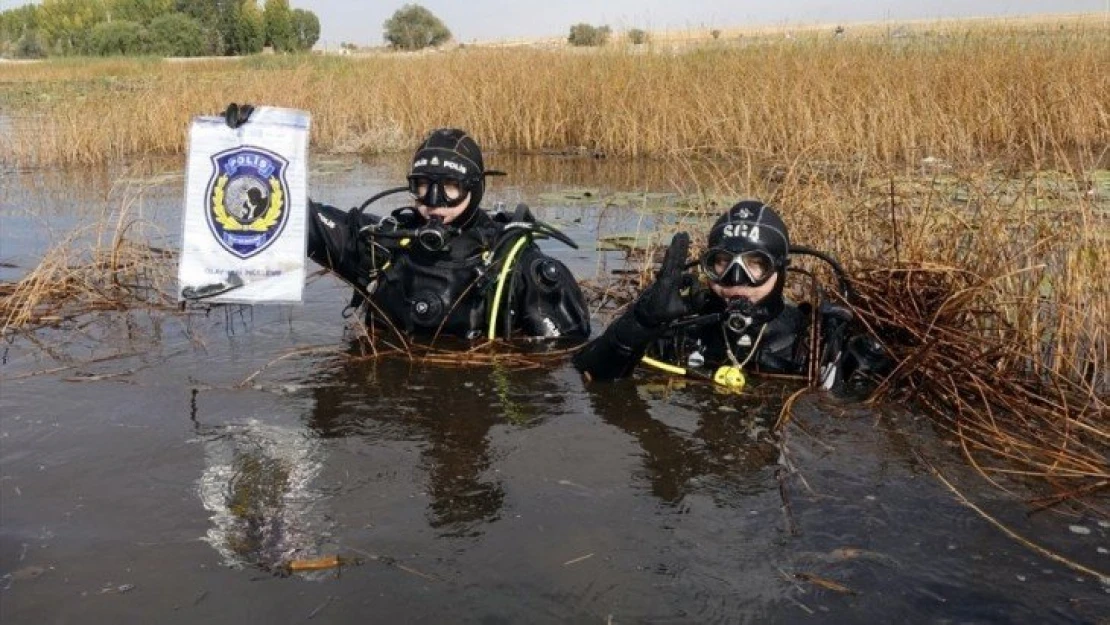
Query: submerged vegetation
point(960, 177)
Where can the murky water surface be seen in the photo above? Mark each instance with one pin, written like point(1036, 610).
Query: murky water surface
point(142, 481)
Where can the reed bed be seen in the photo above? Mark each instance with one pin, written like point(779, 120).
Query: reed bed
point(496, 353)
point(997, 312)
point(91, 270)
point(1027, 96)
point(960, 358)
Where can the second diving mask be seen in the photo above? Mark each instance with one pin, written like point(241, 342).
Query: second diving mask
point(751, 268)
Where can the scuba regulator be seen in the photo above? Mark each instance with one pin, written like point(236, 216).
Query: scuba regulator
point(434, 236)
point(431, 234)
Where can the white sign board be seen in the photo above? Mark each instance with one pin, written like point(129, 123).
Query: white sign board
point(246, 193)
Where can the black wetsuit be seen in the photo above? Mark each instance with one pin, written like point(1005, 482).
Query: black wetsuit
point(449, 292)
point(780, 345)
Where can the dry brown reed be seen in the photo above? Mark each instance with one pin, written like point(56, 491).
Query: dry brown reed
point(1029, 95)
point(1005, 343)
point(106, 266)
point(493, 353)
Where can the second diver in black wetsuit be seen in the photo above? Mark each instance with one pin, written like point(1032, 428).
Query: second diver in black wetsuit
point(737, 320)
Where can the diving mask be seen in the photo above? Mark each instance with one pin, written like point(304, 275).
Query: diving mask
point(751, 268)
point(434, 191)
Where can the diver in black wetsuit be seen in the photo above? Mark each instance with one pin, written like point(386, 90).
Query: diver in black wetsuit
point(445, 266)
point(738, 319)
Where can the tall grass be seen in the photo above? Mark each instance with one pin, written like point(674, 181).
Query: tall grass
point(1028, 98)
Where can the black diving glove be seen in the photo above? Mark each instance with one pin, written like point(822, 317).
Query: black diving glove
point(237, 114)
point(662, 302)
point(615, 353)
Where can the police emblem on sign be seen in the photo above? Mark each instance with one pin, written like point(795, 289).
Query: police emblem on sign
point(248, 199)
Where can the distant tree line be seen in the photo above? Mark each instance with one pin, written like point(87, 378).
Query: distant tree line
point(155, 27)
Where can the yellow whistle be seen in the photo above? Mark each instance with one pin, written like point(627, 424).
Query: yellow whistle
point(731, 377)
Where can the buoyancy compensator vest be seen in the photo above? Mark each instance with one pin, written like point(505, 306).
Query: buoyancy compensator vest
point(445, 280)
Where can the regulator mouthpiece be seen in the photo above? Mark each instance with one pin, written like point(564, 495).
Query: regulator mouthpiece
point(739, 315)
point(433, 236)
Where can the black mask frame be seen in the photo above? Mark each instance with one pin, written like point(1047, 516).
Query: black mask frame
point(435, 193)
point(738, 271)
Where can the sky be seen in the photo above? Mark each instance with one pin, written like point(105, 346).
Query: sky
point(360, 21)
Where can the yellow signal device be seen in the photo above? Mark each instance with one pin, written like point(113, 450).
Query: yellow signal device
point(731, 377)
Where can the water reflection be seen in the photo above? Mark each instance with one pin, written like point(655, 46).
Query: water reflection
point(258, 484)
point(87, 192)
point(716, 442)
point(450, 413)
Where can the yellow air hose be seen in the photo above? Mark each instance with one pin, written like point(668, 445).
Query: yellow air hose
point(728, 376)
point(505, 269)
point(658, 364)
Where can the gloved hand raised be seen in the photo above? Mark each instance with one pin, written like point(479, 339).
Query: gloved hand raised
point(615, 353)
point(237, 114)
point(662, 302)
